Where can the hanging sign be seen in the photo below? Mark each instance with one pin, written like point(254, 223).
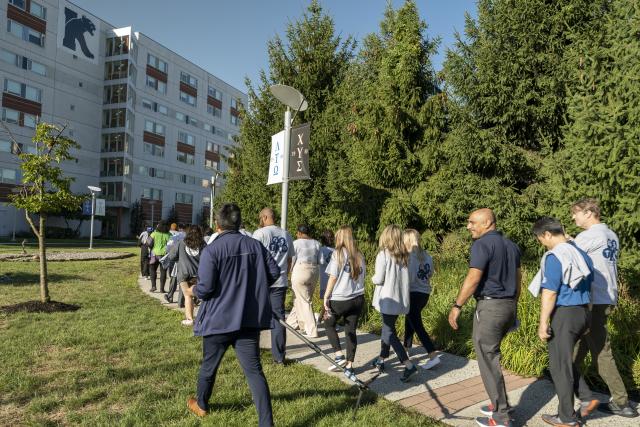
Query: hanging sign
point(276, 162)
point(299, 153)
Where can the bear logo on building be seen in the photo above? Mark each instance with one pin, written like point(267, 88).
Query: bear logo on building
point(74, 29)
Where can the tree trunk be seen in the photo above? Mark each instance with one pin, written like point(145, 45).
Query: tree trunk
point(44, 284)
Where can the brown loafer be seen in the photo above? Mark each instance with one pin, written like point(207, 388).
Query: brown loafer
point(193, 406)
point(587, 408)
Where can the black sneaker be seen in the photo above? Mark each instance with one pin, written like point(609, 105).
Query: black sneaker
point(408, 373)
point(378, 364)
point(613, 408)
point(167, 299)
point(349, 373)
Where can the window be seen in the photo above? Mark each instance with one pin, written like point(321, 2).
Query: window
point(192, 121)
point(7, 147)
point(214, 111)
point(154, 172)
point(186, 179)
point(157, 63)
point(29, 149)
point(23, 90)
point(11, 116)
point(235, 120)
point(29, 121)
point(211, 164)
point(234, 103)
point(154, 150)
point(151, 126)
point(188, 79)
point(23, 62)
point(116, 69)
point(189, 99)
point(184, 198)
point(114, 118)
point(185, 158)
point(154, 106)
point(152, 193)
point(115, 94)
point(112, 167)
point(156, 84)
point(207, 127)
point(214, 93)
point(25, 33)
point(186, 138)
point(114, 191)
point(117, 46)
point(212, 146)
point(35, 9)
point(181, 117)
point(116, 142)
point(8, 176)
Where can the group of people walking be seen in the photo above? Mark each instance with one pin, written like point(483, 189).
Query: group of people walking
point(242, 281)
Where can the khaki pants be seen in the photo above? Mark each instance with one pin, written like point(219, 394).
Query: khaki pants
point(303, 281)
point(597, 342)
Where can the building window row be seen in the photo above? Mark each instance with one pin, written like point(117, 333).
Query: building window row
point(186, 138)
point(184, 198)
point(188, 79)
point(157, 63)
point(115, 191)
point(25, 33)
point(115, 166)
point(23, 62)
point(35, 9)
point(154, 172)
point(117, 45)
point(19, 118)
point(154, 106)
point(153, 127)
point(152, 193)
point(23, 90)
point(157, 85)
point(116, 142)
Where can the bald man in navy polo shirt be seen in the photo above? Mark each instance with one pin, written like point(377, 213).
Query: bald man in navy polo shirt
point(494, 281)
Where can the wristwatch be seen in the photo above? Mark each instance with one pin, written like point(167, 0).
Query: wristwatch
point(455, 305)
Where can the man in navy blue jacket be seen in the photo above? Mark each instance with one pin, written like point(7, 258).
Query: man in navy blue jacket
point(234, 277)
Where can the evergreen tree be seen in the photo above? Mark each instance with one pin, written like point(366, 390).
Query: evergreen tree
point(312, 60)
point(601, 158)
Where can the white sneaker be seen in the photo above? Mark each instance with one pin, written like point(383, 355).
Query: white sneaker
point(430, 363)
point(187, 322)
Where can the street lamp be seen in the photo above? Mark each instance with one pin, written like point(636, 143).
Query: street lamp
point(293, 99)
point(93, 190)
point(212, 185)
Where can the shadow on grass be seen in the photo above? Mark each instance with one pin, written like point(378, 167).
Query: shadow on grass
point(39, 307)
point(21, 278)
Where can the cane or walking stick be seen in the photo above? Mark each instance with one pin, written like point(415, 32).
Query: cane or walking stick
point(362, 385)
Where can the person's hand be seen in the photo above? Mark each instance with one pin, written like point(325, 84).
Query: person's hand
point(543, 332)
point(453, 317)
point(326, 305)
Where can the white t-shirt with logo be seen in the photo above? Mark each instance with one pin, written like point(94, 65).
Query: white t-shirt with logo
point(280, 244)
point(420, 271)
point(307, 251)
point(345, 288)
point(603, 247)
point(325, 259)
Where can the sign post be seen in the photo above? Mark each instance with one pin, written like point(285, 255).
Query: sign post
point(93, 190)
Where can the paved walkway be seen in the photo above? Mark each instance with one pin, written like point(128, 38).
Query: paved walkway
point(451, 392)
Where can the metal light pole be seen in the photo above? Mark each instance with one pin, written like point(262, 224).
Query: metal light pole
point(293, 99)
point(213, 194)
point(93, 190)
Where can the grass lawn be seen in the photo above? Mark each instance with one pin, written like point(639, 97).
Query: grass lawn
point(122, 359)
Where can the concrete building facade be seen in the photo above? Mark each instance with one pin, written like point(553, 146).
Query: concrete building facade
point(153, 127)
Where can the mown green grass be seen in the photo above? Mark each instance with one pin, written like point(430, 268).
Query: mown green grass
point(122, 359)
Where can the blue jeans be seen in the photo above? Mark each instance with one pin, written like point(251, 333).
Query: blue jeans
point(245, 342)
point(278, 332)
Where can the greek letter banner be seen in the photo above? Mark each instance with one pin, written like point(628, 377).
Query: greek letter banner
point(299, 152)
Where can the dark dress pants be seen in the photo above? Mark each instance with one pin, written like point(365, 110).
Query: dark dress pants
point(245, 342)
point(154, 275)
point(491, 322)
point(413, 322)
point(390, 338)
point(568, 325)
point(278, 332)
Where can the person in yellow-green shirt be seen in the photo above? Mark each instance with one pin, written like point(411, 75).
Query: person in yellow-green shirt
point(160, 238)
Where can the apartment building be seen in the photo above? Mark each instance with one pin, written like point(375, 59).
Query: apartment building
point(152, 125)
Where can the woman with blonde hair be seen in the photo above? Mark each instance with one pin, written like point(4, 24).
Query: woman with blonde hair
point(391, 296)
point(344, 296)
point(420, 271)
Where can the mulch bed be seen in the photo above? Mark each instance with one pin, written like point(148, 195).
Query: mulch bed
point(67, 256)
point(39, 307)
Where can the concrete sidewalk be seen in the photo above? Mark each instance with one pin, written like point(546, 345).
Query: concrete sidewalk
point(451, 392)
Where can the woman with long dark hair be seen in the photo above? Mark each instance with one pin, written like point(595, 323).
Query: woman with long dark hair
point(187, 254)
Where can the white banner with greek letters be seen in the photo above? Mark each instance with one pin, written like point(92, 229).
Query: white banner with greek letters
point(276, 162)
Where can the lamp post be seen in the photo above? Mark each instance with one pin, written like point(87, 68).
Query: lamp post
point(212, 185)
point(293, 99)
point(93, 190)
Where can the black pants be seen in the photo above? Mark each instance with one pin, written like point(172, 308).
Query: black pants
point(144, 261)
point(491, 321)
point(278, 332)
point(413, 322)
point(349, 310)
point(568, 325)
point(154, 275)
point(245, 343)
point(390, 338)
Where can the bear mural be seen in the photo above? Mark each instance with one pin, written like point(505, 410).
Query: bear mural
point(74, 29)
